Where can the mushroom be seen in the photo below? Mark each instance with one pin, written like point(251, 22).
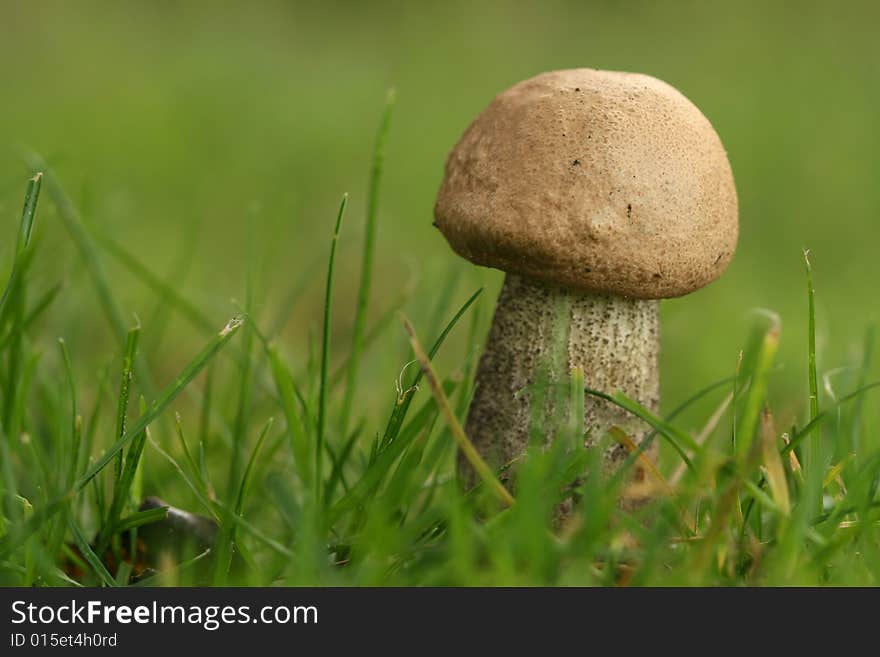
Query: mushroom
point(598, 193)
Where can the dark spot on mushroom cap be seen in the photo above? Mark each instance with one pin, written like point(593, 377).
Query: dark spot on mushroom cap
point(629, 210)
point(576, 163)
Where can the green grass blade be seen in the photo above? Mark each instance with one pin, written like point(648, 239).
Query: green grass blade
point(32, 195)
point(13, 389)
point(128, 360)
point(211, 506)
point(385, 459)
point(857, 412)
point(249, 469)
point(811, 350)
point(679, 440)
point(754, 402)
point(363, 298)
point(9, 481)
point(299, 442)
point(94, 561)
point(123, 485)
point(325, 356)
point(227, 540)
point(71, 386)
point(168, 395)
point(195, 468)
point(183, 567)
point(141, 518)
point(21, 533)
point(245, 387)
point(26, 226)
point(402, 407)
point(205, 420)
point(576, 402)
point(734, 399)
point(39, 307)
point(337, 474)
point(268, 541)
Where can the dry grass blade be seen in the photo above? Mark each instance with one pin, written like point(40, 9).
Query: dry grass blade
point(775, 472)
point(648, 465)
point(467, 448)
point(794, 463)
point(834, 475)
point(643, 460)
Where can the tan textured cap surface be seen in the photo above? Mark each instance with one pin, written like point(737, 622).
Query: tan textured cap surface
point(595, 180)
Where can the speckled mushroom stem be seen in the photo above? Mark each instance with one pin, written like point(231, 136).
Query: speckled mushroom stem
point(614, 339)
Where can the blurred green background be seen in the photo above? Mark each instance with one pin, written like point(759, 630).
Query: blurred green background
point(206, 136)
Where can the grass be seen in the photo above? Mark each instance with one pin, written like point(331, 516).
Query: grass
point(298, 496)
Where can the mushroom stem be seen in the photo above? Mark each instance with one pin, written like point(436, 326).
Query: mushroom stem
point(541, 332)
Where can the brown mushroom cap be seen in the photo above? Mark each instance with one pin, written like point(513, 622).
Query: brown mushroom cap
point(599, 181)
